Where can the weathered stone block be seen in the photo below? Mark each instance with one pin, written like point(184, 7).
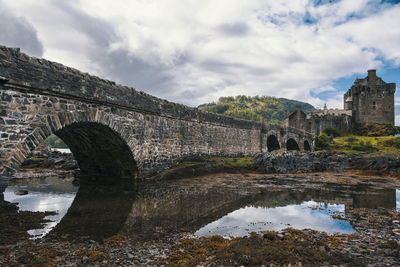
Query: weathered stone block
point(11, 122)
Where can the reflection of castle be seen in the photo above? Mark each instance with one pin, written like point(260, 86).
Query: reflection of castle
point(368, 100)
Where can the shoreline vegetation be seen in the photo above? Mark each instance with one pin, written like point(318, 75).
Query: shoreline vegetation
point(368, 138)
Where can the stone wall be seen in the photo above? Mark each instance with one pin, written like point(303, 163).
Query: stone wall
point(45, 77)
point(371, 100)
point(296, 119)
point(319, 120)
point(112, 130)
point(155, 141)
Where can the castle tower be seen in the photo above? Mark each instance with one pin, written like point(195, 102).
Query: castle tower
point(371, 100)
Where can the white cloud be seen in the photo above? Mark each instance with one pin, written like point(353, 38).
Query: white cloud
point(17, 32)
point(196, 51)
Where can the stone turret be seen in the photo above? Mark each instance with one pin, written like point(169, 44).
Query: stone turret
point(371, 100)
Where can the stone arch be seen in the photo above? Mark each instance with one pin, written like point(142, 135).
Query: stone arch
point(103, 156)
point(272, 143)
point(307, 146)
point(102, 153)
point(291, 144)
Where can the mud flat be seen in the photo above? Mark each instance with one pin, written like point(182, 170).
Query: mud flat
point(370, 207)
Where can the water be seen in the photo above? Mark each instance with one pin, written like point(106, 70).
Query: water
point(196, 206)
point(62, 150)
point(309, 214)
point(398, 200)
point(50, 194)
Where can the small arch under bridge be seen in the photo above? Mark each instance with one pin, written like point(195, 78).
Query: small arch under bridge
point(115, 131)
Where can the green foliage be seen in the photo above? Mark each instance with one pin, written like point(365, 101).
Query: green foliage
point(54, 142)
point(223, 162)
point(232, 163)
point(373, 129)
point(395, 142)
point(257, 108)
point(365, 146)
point(351, 139)
point(389, 145)
point(330, 131)
point(323, 142)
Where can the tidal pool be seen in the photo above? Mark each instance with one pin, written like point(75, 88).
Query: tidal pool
point(309, 214)
point(50, 194)
point(158, 209)
point(398, 200)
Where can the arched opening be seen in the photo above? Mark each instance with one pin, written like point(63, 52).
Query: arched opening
point(272, 143)
point(102, 155)
point(307, 146)
point(291, 144)
point(47, 181)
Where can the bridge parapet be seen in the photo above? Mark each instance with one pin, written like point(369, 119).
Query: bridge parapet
point(44, 77)
point(98, 117)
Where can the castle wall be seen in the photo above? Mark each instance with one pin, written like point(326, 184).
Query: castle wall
point(319, 120)
point(319, 123)
point(371, 100)
point(296, 119)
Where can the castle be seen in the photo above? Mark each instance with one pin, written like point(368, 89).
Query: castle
point(368, 100)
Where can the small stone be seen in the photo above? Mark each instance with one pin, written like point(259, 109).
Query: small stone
point(42, 261)
point(11, 122)
point(396, 231)
point(269, 236)
point(21, 192)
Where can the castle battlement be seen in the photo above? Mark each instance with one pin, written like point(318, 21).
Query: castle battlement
point(371, 100)
point(330, 112)
point(368, 100)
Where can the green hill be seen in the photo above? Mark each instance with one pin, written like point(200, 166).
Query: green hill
point(257, 108)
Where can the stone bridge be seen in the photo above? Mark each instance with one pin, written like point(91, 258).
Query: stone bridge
point(115, 132)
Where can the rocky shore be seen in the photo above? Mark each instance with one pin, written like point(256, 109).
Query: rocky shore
point(53, 160)
point(301, 162)
point(376, 241)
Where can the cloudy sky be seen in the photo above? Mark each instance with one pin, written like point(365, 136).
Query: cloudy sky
point(193, 52)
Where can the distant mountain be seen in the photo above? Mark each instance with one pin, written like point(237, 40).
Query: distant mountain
point(257, 108)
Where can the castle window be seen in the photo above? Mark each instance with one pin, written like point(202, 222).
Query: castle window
point(374, 105)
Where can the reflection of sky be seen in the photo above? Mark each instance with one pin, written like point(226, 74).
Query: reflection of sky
point(398, 199)
point(40, 200)
point(62, 150)
point(310, 214)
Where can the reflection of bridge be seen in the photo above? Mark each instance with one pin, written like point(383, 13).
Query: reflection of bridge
point(113, 130)
point(172, 207)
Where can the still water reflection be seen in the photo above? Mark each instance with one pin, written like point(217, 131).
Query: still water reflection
point(309, 214)
point(157, 209)
point(50, 194)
